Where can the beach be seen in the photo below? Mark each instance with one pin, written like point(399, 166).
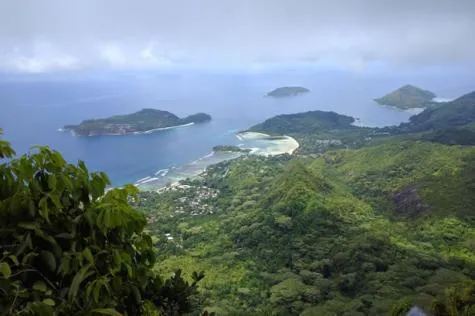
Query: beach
point(259, 143)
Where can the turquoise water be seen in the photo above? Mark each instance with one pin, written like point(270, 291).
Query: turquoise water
point(32, 109)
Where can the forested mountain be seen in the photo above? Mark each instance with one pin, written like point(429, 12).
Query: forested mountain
point(358, 232)
point(383, 224)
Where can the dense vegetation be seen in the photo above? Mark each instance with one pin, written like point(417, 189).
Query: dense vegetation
point(138, 122)
point(283, 92)
point(231, 148)
point(408, 97)
point(386, 223)
point(319, 131)
point(457, 113)
point(329, 236)
point(70, 248)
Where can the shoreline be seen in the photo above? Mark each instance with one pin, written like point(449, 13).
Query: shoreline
point(147, 132)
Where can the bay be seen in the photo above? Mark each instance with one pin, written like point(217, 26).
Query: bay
point(33, 108)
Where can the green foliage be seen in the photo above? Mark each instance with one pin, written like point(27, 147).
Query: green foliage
point(457, 113)
point(407, 97)
point(324, 236)
point(68, 247)
point(141, 121)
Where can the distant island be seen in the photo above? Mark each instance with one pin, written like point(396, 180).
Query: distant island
point(141, 122)
point(283, 92)
point(408, 97)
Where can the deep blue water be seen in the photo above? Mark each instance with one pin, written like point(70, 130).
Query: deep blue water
point(32, 109)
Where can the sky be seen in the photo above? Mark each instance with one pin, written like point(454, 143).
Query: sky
point(39, 36)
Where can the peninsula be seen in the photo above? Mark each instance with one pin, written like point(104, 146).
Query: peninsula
point(283, 92)
point(141, 122)
point(408, 97)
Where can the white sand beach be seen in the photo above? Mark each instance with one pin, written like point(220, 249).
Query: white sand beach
point(267, 145)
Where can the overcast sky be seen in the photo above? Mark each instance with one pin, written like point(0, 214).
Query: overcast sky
point(52, 35)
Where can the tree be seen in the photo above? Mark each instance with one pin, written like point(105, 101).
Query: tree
point(68, 247)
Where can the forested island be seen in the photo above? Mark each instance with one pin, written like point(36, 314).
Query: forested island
point(408, 97)
point(359, 221)
point(283, 92)
point(143, 121)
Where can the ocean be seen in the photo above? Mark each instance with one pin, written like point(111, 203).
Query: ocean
point(33, 108)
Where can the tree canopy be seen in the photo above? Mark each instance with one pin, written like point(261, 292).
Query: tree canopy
point(68, 247)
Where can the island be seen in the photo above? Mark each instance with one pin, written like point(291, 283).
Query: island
point(142, 122)
point(283, 92)
point(231, 148)
point(408, 97)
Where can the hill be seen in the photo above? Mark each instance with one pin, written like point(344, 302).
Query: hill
point(318, 131)
point(358, 232)
point(145, 120)
point(287, 92)
point(363, 221)
point(456, 113)
point(449, 123)
point(407, 97)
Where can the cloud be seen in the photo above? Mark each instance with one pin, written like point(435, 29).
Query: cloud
point(352, 34)
point(113, 55)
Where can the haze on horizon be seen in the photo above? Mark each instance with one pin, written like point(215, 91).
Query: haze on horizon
point(57, 35)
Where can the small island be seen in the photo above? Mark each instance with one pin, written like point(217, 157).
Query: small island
point(408, 97)
point(142, 122)
point(284, 92)
point(230, 148)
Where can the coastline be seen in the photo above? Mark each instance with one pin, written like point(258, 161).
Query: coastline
point(131, 133)
point(259, 144)
point(282, 145)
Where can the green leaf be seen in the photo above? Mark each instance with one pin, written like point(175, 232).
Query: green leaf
point(49, 302)
point(40, 286)
point(49, 259)
point(41, 309)
point(28, 225)
point(52, 182)
point(14, 259)
point(77, 280)
point(87, 254)
point(64, 266)
point(106, 311)
point(5, 270)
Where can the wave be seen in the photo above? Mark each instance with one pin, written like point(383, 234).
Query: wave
point(148, 180)
point(211, 154)
point(162, 172)
point(142, 180)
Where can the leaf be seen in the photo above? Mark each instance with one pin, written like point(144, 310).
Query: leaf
point(87, 254)
point(106, 311)
point(52, 182)
point(49, 259)
point(40, 286)
point(49, 302)
point(28, 225)
point(5, 270)
point(77, 280)
point(14, 259)
point(41, 309)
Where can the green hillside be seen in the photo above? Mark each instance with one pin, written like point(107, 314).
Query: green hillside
point(329, 235)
